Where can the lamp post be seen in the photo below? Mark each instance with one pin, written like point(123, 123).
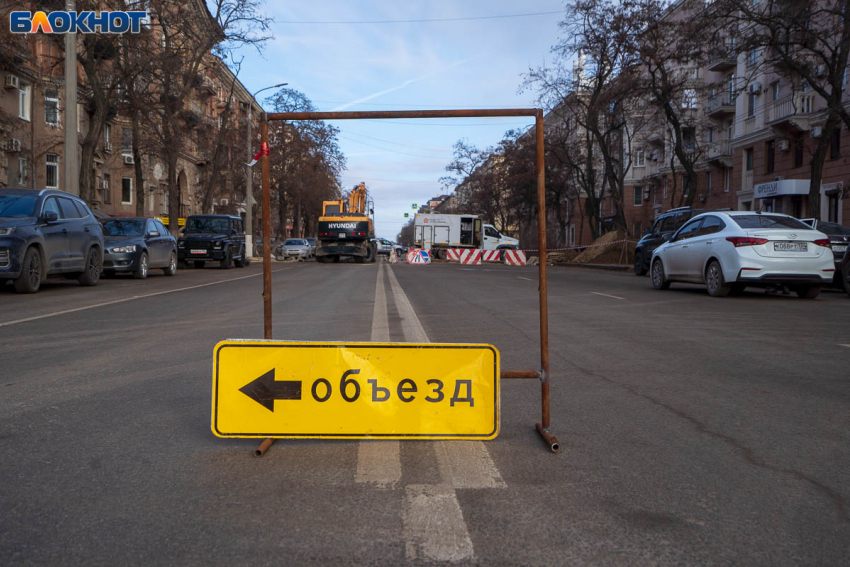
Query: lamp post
point(249, 190)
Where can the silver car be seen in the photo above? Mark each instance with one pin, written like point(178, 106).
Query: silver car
point(296, 248)
point(729, 251)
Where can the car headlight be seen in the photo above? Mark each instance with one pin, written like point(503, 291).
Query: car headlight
point(124, 249)
point(7, 231)
point(217, 245)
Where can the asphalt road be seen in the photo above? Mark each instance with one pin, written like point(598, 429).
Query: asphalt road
point(694, 430)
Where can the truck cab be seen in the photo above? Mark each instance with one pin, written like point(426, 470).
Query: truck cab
point(494, 240)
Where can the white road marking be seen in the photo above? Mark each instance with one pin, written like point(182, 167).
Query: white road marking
point(606, 295)
point(527, 279)
point(106, 303)
point(379, 462)
point(467, 464)
point(434, 527)
point(433, 524)
point(848, 346)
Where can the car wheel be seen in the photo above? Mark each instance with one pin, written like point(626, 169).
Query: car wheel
point(30, 279)
point(91, 274)
point(141, 272)
point(227, 262)
point(659, 280)
point(240, 263)
point(172, 266)
point(807, 291)
point(714, 282)
point(845, 276)
point(199, 264)
point(640, 268)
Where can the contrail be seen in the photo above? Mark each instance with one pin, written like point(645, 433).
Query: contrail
point(401, 86)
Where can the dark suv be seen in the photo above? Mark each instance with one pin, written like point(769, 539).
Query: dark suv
point(839, 241)
point(213, 237)
point(45, 233)
point(668, 223)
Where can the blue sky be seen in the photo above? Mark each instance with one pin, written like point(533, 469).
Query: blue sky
point(393, 66)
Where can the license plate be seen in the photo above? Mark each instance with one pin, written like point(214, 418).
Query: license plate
point(199, 251)
point(840, 248)
point(342, 235)
point(791, 246)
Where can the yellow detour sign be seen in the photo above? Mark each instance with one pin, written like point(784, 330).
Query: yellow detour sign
point(355, 390)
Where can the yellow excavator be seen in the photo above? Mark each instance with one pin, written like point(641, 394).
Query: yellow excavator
point(347, 229)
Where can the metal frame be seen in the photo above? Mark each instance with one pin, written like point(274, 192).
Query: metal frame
point(543, 373)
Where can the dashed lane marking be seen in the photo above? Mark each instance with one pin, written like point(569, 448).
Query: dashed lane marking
point(526, 279)
point(848, 346)
point(607, 295)
point(133, 298)
point(379, 462)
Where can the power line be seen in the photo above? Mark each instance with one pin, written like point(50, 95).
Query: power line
point(393, 151)
point(436, 150)
point(424, 20)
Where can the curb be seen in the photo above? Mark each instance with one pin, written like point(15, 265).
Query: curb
point(609, 267)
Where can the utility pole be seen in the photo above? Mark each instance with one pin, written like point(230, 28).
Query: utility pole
point(72, 176)
point(249, 178)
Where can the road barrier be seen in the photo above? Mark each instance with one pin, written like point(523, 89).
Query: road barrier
point(514, 258)
point(470, 257)
point(453, 254)
point(418, 257)
point(266, 384)
point(491, 255)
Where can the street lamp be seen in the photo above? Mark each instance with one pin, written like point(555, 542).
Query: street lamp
point(249, 190)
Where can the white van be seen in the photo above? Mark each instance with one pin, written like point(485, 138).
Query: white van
point(458, 231)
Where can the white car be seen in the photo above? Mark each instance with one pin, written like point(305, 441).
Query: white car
point(729, 251)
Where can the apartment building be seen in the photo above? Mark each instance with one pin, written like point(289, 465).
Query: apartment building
point(32, 126)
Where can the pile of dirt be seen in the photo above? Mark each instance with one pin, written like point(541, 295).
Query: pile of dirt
point(607, 249)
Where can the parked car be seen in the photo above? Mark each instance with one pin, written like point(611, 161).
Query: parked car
point(312, 243)
point(845, 271)
point(277, 247)
point(45, 233)
point(213, 237)
point(665, 224)
point(729, 251)
point(839, 238)
point(384, 246)
point(137, 245)
point(296, 248)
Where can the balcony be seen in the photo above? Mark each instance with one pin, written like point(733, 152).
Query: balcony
point(791, 112)
point(720, 153)
point(720, 106)
point(722, 59)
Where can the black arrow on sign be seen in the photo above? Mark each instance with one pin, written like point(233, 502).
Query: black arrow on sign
point(264, 390)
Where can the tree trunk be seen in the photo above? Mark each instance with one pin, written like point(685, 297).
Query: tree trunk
point(137, 166)
point(174, 196)
point(816, 164)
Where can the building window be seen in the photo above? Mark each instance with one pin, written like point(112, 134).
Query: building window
point(835, 144)
point(640, 158)
point(709, 136)
point(665, 187)
point(770, 151)
point(686, 185)
point(126, 141)
point(726, 178)
point(804, 86)
point(689, 100)
point(164, 201)
point(708, 182)
point(24, 102)
point(150, 197)
point(751, 104)
point(752, 57)
point(638, 197)
point(23, 171)
point(748, 158)
point(572, 235)
point(107, 188)
point(832, 200)
point(51, 108)
point(107, 137)
point(126, 191)
point(798, 151)
point(52, 172)
point(774, 88)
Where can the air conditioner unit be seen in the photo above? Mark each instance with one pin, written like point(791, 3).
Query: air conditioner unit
point(128, 160)
point(224, 202)
point(11, 82)
point(754, 88)
point(784, 145)
point(816, 131)
point(14, 145)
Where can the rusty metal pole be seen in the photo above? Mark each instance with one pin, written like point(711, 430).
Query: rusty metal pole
point(540, 170)
point(267, 245)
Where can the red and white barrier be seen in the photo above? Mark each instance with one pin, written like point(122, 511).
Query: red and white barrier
point(470, 257)
point(454, 254)
point(514, 258)
point(491, 255)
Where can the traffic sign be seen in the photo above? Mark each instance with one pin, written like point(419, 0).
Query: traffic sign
point(406, 215)
point(414, 206)
point(417, 256)
point(355, 390)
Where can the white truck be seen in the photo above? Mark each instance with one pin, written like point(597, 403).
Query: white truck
point(439, 232)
